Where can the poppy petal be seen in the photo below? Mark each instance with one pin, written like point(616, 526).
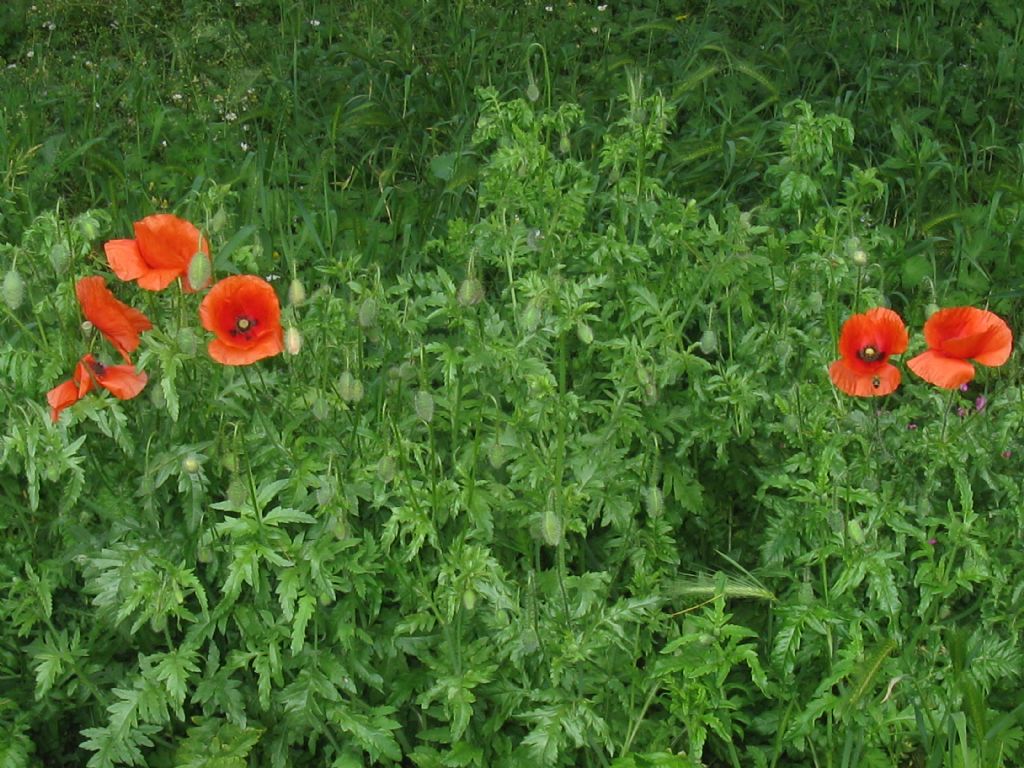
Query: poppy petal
point(884, 381)
point(998, 344)
point(124, 259)
point(122, 381)
point(60, 397)
point(118, 322)
point(225, 354)
point(941, 370)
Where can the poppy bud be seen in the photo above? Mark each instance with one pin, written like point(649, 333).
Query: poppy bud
point(930, 309)
point(88, 226)
point(199, 271)
point(59, 257)
point(496, 455)
point(551, 528)
point(563, 145)
point(859, 257)
point(471, 292)
point(584, 333)
point(367, 312)
point(709, 342)
point(423, 404)
point(532, 92)
point(13, 289)
point(855, 532)
point(469, 599)
point(386, 469)
point(191, 464)
point(292, 341)
point(350, 388)
point(655, 501)
point(296, 292)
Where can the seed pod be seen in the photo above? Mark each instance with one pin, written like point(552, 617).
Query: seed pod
point(13, 289)
point(423, 404)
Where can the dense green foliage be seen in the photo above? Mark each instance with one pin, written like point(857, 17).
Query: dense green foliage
point(558, 476)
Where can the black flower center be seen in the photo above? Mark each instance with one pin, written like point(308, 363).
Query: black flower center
point(869, 354)
point(244, 326)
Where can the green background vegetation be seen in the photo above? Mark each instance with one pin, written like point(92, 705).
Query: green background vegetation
point(558, 477)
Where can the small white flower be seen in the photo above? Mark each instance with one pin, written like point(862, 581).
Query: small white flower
point(549, 8)
point(244, 146)
point(30, 54)
point(230, 117)
point(163, 143)
point(603, 7)
point(177, 97)
point(314, 22)
point(49, 25)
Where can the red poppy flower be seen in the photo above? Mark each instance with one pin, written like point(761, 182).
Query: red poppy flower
point(865, 344)
point(122, 381)
point(245, 315)
point(956, 335)
point(117, 321)
point(161, 251)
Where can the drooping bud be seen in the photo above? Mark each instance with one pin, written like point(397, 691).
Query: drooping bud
point(350, 388)
point(296, 292)
point(367, 312)
point(551, 528)
point(292, 341)
point(423, 404)
point(199, 271)
point(709, 342)
point(584, 332)
point(471, 292)
point(59, 257)
point(13, 289)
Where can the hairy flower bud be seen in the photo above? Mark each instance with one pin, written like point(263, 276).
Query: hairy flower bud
point(199, 271)
point(423, 404)
point(296, 292)
point(350, 388)
point(551, 528)
point(368, 312)
point(471, 292)
point(292, 341)
point(13, 289)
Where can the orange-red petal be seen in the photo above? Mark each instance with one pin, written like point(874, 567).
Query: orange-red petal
point(227, 355)
point(849, 379)
point(60, 397)
point(969, 333)
point(124, 259)
point(122, 381)
point(118, 322)
point(941, 370)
